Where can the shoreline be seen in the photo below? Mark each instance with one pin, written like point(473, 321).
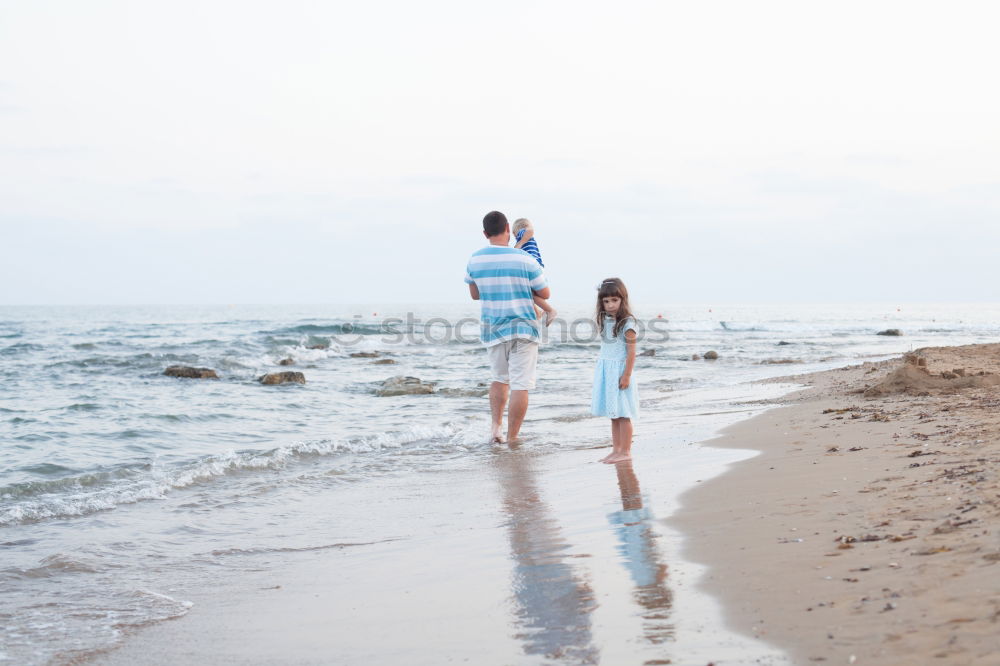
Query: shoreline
point(551, 558)
point(866, 530)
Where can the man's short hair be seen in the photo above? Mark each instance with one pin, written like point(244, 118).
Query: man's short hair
point(494, 223)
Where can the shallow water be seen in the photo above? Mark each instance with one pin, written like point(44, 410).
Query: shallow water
point(118, 484)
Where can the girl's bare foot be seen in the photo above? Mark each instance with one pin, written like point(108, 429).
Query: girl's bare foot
point(605, 458)
point(497, 434)
point(617, 458)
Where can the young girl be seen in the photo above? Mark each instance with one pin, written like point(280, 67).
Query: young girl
point(614, 393)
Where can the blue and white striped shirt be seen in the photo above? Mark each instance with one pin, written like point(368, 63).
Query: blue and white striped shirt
point(531, 247)
point(506, 278)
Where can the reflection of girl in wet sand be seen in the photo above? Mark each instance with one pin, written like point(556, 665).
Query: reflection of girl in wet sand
point(637, 546)
point(614, 393)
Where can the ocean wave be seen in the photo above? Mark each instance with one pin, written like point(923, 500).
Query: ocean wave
point(105, 490)
point(58, 564)
point(20, 348)
point(337, 328)
point(142, 361)
point(302, 549)
point(83, 407)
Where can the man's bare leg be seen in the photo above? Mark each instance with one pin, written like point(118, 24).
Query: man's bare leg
point(614, 441)
point(498, 400)
point(515, 413)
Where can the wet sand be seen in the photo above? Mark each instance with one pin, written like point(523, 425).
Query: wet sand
point(868, 530)
point(530, 559)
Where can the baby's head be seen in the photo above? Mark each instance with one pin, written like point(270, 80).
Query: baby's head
point(519, 224)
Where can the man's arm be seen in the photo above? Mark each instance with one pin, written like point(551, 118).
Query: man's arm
point(543, 293)
point(474, 291)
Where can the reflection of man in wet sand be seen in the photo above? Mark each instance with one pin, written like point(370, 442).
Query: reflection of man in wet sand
point(554, 606)
point(637, 545)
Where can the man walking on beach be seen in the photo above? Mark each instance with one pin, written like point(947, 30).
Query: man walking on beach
point(502, 279)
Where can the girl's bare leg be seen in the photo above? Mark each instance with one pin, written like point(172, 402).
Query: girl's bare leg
point(614, 442)
point(623, 441)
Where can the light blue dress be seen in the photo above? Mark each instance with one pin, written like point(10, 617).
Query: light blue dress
point(607, 399)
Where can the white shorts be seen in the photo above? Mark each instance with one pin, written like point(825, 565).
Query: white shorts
point(513, 362)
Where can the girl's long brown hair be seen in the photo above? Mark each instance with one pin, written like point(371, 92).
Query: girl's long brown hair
point(613, 287)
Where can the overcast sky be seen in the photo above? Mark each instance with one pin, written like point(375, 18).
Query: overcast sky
point(335, 152)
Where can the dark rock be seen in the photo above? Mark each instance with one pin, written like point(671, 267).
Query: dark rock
point(890, 331)
point(647, 352)
point(711, 355)
point(283, 378)
point(783, 343)
point(384, 361)
point(287, 361)
point(400, 385)
point(190, 373)
point(318, 347)
point(695, 357)
point(365, 355)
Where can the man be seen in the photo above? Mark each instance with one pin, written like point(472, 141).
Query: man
point(503, 279)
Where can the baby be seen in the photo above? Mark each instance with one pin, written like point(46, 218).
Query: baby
point(524, 234)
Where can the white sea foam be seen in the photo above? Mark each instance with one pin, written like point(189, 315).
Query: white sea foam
point(154, 484)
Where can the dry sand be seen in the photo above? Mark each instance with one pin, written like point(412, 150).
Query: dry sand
point(868, 531)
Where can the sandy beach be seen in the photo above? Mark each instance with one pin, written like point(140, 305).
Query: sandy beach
point(533, 560)
point(867, 530)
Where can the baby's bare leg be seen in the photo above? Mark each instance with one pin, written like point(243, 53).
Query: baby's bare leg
point(543, 305)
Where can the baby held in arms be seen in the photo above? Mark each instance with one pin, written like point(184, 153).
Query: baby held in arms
point(524, 235)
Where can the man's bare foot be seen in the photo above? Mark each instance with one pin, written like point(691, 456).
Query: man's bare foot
point(497, 434)
point(617, 458)
point(550, 316)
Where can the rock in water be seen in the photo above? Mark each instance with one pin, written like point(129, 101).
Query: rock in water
point(711, 355)
point(283, 378)
point(190, 373)
point(647, 352)
point(400, 385)
point(384, 361)
point(695, 357)
point(365, 355)
point(890, 331)
point(287, 361)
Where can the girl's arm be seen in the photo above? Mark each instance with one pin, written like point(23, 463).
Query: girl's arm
point(626, 377)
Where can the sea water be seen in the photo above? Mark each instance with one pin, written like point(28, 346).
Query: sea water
point(119, 485)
